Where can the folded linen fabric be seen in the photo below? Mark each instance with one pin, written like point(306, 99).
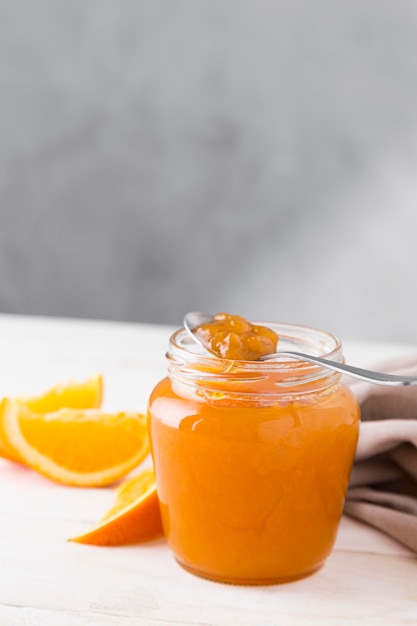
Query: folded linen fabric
point(383, 485)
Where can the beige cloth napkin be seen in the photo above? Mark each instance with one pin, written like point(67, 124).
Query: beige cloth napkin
point(383, 485)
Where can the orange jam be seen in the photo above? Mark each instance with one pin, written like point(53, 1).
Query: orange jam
point(252, 459)
point(234, 337)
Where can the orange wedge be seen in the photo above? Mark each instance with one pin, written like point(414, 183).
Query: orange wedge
point(6, 451)
point(83, 447)
point(74, 395)
point(134, 517)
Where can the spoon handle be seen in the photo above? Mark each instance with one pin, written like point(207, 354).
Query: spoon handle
point(378, 378)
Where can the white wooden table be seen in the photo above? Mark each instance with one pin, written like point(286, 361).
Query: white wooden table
point(46, 581)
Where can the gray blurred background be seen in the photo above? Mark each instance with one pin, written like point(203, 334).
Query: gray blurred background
point(254, 156)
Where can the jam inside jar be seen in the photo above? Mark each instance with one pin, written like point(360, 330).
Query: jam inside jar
point(252, 459)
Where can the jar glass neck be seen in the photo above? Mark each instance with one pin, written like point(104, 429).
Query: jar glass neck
point(190, 366)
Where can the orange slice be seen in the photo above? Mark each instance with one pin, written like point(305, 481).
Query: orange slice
point(6, 451)
point(75, 395)
point(83, 447)
point(134, 518)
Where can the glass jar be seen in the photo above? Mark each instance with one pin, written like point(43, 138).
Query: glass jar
point(252, 459)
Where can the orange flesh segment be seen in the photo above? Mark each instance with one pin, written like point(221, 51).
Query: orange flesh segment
point(74, 395)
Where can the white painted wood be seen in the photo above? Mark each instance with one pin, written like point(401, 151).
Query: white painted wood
point(47, 581)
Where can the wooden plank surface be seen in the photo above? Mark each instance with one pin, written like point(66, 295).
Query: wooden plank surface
point(45, 580)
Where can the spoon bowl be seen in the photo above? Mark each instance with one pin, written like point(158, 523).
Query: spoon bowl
point(194, 319)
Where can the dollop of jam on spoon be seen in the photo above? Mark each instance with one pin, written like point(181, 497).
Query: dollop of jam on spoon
point(233, 337)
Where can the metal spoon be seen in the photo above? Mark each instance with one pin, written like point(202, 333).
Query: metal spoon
point(195, 318)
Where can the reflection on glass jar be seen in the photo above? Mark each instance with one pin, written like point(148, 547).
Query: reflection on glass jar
point(252, 459)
